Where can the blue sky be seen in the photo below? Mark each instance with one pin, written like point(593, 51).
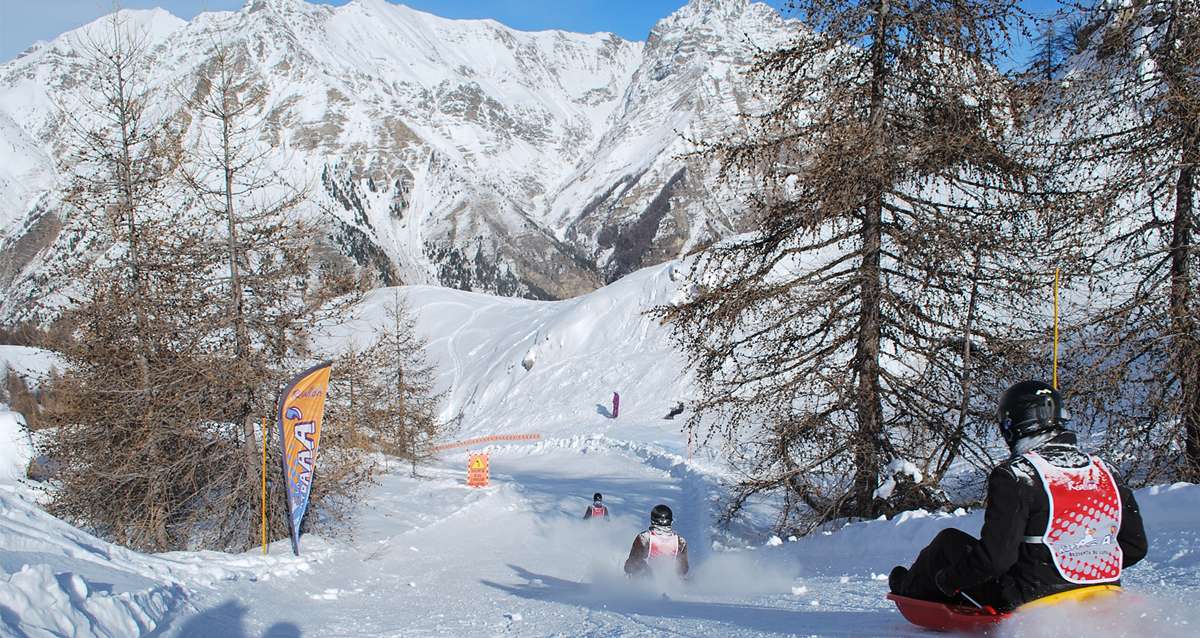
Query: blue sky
point(23, 22)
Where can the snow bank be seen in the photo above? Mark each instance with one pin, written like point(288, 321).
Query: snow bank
point(16, 448)
point(57, 580)
point(42, 602)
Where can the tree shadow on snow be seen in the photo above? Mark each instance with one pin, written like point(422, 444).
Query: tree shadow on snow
point(228, 620)
point(639, 607)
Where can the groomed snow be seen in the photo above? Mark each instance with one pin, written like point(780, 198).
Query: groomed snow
point(431, 557)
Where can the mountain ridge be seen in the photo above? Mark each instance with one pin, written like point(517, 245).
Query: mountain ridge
point(461, 153)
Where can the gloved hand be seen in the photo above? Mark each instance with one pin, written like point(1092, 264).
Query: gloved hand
point(939, 579)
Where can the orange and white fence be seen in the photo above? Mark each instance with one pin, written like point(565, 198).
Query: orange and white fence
point(487, 439)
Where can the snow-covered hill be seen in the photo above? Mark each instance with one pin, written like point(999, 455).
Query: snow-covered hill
point(449, 152)
point(517, 366)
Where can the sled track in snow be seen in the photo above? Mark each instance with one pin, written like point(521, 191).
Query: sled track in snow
point(701, 489)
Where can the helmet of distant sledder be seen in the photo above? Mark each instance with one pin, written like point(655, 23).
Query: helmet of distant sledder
point(1029, 408)
point(661, 516)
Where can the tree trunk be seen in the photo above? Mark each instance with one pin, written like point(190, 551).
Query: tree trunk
point(1186, 353)
point(867, 400)
point(956, 439)
point(1183, 320)
point(237, 314)
point(125, 120)
point(236, 309)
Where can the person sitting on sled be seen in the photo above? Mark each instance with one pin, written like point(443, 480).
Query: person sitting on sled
point(657, 546)
point(1056, 519)
point(597, 508)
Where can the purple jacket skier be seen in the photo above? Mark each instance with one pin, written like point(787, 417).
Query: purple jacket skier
point(616, 405)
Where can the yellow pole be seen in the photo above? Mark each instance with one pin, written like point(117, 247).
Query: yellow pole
point(263, 507)
point(1054, 374)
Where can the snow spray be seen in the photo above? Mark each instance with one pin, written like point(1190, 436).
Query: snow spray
point(1132, 615)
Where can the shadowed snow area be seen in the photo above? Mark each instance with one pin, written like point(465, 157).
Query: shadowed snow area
point(431, 557)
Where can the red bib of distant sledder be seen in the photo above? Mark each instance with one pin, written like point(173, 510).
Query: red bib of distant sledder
point(597, 510)
point(1085, 517)
point(663, 545)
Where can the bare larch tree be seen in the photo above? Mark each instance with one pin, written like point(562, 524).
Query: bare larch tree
point(395, 405)
point(878, 301)
point(188, 312)
point(262, 273)
point(1122, 125)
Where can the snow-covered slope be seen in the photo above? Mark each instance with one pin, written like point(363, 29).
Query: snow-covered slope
point(459, 153)
point(431, 557)
point(515, 365)
point(33, 365)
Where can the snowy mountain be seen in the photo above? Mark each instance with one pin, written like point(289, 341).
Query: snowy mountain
point(460, 153)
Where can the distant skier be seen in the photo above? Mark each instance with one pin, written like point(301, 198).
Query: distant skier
point(1056, 518)
point(658, 547)
point(616, 405)
point(597, 508)
point(676, 410)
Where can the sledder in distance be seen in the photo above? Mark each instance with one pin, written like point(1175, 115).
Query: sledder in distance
point(597, 510)
point(658, 549)
point(1059, 526)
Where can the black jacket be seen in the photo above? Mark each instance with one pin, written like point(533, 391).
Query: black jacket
point(1017, 506)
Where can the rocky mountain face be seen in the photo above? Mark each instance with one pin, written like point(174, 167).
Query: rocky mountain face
point(453, 152)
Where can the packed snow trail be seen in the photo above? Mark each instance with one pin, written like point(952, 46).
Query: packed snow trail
point(432, 557)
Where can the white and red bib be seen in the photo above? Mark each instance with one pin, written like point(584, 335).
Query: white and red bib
point(597, 510)
point(1085, 518)
point(662, 545)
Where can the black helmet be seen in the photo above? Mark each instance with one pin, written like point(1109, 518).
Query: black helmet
point(1028, 408)
point(597, 497)
point(661, 515)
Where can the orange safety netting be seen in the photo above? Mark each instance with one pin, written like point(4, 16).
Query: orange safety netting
point(487, 439)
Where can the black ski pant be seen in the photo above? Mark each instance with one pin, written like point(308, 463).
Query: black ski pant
point(949, 546)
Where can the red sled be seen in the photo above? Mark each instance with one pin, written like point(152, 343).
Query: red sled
point(975, 620)
point(947, 617)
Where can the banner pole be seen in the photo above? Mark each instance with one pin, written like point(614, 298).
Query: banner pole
point(263, 505)
point(1054, 373)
